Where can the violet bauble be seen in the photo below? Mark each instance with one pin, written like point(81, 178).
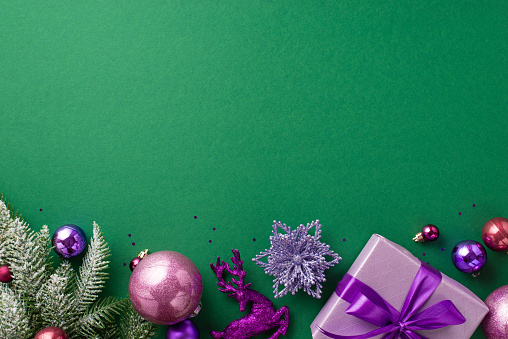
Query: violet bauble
point(184, 330)
point(469, 256)
point(69, 241)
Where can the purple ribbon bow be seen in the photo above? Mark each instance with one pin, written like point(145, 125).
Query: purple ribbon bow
point(368, 305)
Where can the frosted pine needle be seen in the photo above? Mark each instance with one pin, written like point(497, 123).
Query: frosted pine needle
point(41, 296)
point(297, 259)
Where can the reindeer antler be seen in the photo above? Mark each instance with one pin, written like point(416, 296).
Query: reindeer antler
point(237, 270)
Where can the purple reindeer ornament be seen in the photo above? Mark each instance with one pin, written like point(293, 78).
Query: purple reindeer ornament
point(262, 316)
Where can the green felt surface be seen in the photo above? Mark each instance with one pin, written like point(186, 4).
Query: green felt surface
point(373, 117)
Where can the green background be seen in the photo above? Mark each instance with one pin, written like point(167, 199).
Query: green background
point(371, 116)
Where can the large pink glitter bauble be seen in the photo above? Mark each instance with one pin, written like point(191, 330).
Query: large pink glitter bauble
point(495, 323)
point(165, 288)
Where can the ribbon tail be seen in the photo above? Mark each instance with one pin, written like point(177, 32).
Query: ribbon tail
point(412, 335)
point(366, 309)
point(404, 335)
point(439, 315)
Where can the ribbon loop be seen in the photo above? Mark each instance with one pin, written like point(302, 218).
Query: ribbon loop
point(368, 305)
point(364, 308)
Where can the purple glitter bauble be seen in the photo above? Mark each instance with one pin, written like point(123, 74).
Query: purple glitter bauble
point(430, 232)
point(165, 288)
point(495, 323)
point(184, 330)
point(69, 241)
point(469, 256)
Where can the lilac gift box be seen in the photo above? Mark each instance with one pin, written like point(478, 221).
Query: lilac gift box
point(390, 269)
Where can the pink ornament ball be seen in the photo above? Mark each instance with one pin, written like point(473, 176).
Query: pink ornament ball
point(134, 262)
point(495, 234)
point(430, 232)
point(5, 274)
point(495, 323)
point(51, 333)
point(165, 288)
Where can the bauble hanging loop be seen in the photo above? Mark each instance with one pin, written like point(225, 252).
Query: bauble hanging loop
point(429, 233)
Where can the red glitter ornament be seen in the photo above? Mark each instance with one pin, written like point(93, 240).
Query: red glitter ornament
point(5, 274)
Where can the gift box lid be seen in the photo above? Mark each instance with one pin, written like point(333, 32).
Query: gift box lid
point(390, 269)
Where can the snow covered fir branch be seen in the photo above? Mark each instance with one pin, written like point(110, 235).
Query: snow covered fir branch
point(41, 296)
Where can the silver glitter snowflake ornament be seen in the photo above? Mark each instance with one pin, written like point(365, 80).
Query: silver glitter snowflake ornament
point(297, 259)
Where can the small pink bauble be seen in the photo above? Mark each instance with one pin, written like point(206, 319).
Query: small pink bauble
point(495, 234)
point(429, 233)
point(5, 274)
point(134, 262)
point(495, 323)
point(51, 333)
point(165, 288)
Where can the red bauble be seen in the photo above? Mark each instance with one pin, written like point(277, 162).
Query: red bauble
point(495, 234)
point(51, 333)
point(135, 261)
point(5, 274)
point(429, 233)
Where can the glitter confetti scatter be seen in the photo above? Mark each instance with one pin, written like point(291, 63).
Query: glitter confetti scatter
point(297, 259)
